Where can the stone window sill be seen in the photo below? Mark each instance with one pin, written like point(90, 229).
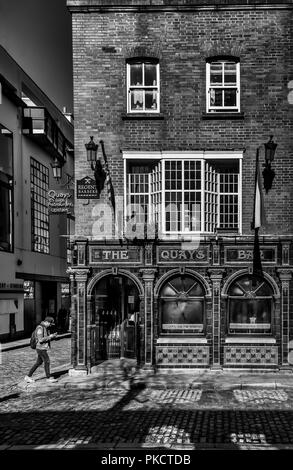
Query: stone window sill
point(249, 340)
point(142, 116)
point(227, 116)
point(183, 340)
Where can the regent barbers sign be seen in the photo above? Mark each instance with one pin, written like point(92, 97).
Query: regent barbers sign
point(86, 188)
point(60, 202)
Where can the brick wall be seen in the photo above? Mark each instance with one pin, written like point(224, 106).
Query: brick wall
point(182, 41)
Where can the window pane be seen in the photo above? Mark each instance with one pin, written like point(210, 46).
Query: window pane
point(136, 99)
point(216, 97)
point(150, 76)
point(230, 97)
point(241, 311)
point(182, 312)
point(136, 74)
point(230, 74)
point(151, 99)
point(216, 74)
point(5, 218)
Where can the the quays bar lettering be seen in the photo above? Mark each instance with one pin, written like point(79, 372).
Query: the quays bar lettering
point(246, 254)
point(180, 255)
point(112, 255)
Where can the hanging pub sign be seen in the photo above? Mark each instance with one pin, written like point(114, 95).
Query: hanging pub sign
point(240, 254)
point(86, 188)
point(60, 202)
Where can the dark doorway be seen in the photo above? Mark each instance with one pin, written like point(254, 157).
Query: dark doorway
point(116, 316)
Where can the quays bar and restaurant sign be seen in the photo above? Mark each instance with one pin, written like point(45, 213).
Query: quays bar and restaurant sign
point(240, 254)
point(60, 202)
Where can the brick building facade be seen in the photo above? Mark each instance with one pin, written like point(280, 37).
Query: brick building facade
point(182, 94)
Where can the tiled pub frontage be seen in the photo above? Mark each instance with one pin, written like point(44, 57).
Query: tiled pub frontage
point(178, 305)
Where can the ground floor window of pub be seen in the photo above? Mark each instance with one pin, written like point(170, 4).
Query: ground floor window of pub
point(250, 306)
point(182, 306)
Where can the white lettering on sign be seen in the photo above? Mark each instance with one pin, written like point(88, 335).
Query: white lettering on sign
point(247, 254)
point(110, 255)
point(59, 202)
point(180, 255)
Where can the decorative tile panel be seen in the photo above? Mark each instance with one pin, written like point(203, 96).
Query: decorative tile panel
point(245, 355)
point(182, 355)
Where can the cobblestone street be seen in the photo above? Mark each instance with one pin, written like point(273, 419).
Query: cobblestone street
point(15, 364)
point(121, 418)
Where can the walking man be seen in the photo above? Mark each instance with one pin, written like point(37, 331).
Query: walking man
point(43, 345)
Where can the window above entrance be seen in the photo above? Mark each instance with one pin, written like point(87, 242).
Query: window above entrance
point(183, 193)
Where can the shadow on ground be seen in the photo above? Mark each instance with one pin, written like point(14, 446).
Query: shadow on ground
point(166, 427)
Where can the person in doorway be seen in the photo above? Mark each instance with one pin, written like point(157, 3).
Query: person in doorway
point(44, 338)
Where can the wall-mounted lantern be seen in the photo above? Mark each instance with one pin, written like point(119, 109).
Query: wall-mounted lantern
point(57, 169)
point(96, 165)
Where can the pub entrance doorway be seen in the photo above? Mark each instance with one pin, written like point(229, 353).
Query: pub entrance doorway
point(116, 316)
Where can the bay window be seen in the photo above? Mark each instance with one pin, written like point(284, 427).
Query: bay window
point(183, 195)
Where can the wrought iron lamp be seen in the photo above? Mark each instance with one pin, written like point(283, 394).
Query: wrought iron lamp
point(96, 165)
point(57, 169)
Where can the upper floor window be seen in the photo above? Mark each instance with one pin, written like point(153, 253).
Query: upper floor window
point(183, 195)
point(223, 86)
point(39, 207)
point(143, 93)
point(6, 189)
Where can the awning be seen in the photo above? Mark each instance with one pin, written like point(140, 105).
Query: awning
point(8, 306)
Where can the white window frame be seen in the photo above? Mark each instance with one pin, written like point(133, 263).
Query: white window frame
point(194, 156)
point(143, 87)
point(222, 109)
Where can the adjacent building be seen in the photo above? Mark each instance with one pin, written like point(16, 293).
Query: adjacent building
point(181, 98)
point(35, 136)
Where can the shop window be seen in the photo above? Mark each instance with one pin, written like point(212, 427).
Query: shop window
point(143, 93)
point(39, 207)
point(29, 289)
point(6, 189)
point(223, 86)
point(183, 195)
point(250, 306)
point(182, 306)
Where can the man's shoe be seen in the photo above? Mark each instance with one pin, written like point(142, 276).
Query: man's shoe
point(52, 379)
point(29, 379)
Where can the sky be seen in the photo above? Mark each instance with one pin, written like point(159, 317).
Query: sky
point(37, 34)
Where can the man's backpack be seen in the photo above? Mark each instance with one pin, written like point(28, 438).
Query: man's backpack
point(33, 340)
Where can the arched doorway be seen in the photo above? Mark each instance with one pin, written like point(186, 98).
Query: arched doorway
point(116, 316)
point(182, 306)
